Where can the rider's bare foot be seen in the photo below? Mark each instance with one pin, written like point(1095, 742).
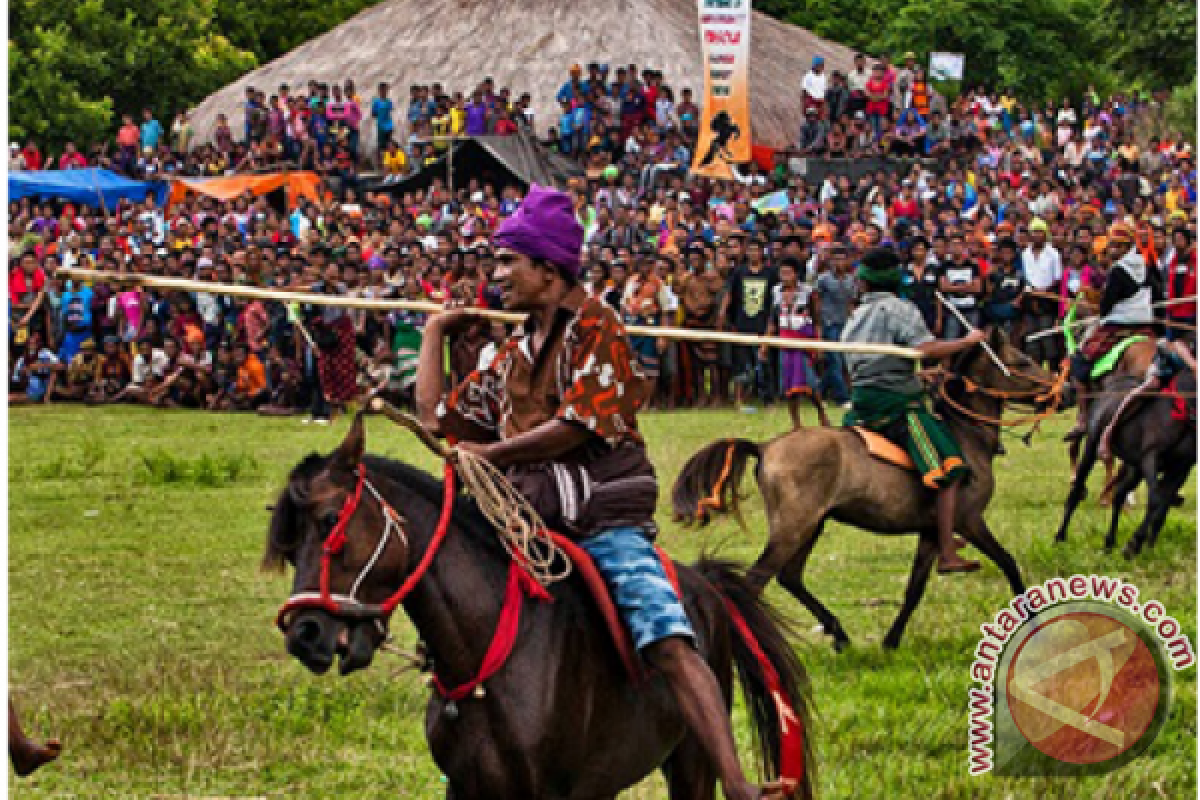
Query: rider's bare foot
point(27, 755)
point(948, 565)
point(772, 790)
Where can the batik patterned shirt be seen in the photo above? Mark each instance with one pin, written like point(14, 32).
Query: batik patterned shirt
point(585, 374)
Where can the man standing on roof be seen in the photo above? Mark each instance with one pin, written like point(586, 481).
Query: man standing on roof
point(814, 86)
point(557, 408)
point(887, 393)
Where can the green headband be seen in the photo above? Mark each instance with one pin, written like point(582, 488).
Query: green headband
point(884, 278)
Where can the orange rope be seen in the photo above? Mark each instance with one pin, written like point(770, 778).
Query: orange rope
point(714, 501)
point(1007, 423)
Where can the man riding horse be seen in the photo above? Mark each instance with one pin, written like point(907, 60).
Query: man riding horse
point(1126, 310)
point(557, 409)
point(888, 397)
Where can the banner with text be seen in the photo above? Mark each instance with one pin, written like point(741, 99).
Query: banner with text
point(725, 124)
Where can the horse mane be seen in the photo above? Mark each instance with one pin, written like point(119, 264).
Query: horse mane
point(293, 499)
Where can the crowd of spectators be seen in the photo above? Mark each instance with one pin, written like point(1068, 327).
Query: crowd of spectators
point(1006, 213)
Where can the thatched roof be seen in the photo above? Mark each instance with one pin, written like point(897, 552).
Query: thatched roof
point(528, 45)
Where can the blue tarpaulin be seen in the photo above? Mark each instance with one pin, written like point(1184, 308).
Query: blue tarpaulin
point(82, 186)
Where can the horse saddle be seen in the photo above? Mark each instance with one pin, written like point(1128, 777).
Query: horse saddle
point(585, 568)
point(1108, 362)
point(884, 449)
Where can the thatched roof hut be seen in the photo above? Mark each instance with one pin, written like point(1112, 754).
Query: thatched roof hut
point(528, 45)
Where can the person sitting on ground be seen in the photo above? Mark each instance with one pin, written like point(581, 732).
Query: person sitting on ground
point(887, 394)
point(113, 372)
point(250, 385)
point(219, 394)
point(285, 378)
point(35, 373)
point(149, 366)
point(79, 374)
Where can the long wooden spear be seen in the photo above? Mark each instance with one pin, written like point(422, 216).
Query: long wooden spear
point(1088, 320)
point(427, 307)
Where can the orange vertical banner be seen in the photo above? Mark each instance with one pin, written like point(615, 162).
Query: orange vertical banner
point(725, 117)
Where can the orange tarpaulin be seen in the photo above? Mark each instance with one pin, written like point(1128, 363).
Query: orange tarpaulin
point(294, 184)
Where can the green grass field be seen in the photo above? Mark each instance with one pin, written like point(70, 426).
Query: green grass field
point(141, 630)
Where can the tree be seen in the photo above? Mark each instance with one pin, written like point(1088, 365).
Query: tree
point(259, 25)
point(73, 66)
point(1041, 48)
point(1156, 47)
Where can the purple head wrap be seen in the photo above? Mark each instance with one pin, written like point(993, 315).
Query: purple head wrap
point(544, 226)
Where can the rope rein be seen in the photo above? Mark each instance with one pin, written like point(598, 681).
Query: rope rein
point(521, 529)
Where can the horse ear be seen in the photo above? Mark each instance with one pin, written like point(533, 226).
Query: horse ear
point(350, 452)
point(996, 338)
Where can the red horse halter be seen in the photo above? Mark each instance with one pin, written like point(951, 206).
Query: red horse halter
point(348, 605)
point(519, 583)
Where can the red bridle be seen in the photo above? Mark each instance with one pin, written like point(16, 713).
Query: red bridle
point(348, 605)
point(519, 585)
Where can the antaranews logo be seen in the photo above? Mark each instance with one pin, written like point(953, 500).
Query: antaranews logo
point(1074, 678)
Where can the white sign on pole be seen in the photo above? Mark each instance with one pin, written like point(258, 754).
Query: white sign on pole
point(946, 66)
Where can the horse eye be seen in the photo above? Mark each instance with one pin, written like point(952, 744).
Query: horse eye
point(330, 520)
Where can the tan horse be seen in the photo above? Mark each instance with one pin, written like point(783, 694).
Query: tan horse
point(817, 474)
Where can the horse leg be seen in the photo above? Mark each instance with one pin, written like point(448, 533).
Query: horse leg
point(1127, 480)
point(1172, 483)
point(1106, 495)
point(1078, 487)
point(689, 773)
point(1154, 494)
point(791, 577)
point(927, 551)
point(781, 547)
point(979, 534)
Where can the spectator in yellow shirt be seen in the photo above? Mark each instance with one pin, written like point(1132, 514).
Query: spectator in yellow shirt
point(395, 161)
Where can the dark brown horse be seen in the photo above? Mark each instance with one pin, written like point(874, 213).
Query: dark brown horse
point(561, 718)
point(817, 474)
point(1152, 444)
point(1134, 362)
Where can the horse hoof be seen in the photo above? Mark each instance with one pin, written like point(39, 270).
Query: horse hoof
point(1060, 538)
point(891, 644)
point(840, 645)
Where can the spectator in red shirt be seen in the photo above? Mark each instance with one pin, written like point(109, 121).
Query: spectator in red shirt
point(33, 156)
point(128, 138)
point(71, 158)
point(1181, 283)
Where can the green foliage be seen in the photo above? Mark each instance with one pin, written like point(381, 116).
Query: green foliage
point(255, 24)
point(74, 66)
point(1041, 48)
point(161, 467)
point(1157, 41)
point(1181, 110)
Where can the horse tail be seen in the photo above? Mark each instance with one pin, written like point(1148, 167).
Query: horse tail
point(774, 684)
point(710, 479)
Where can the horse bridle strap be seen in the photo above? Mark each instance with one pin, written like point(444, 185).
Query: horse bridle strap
point(348, 605)
point(520, 583)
